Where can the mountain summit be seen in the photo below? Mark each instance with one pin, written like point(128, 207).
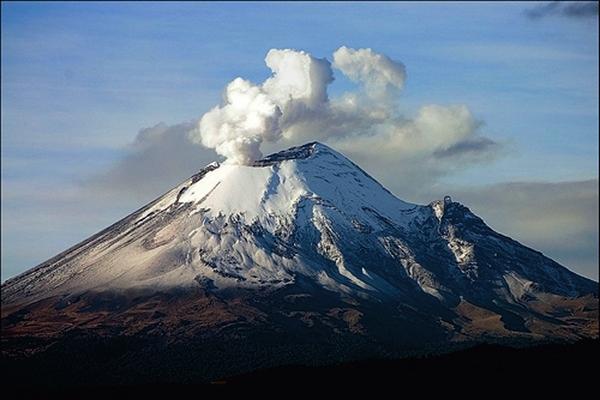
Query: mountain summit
point(300, 250)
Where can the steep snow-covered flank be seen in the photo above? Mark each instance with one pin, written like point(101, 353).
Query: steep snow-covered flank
point(306, 213)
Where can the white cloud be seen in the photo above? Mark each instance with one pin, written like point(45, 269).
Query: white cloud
point(376, 71)
point(237, 129)
point(254, 114)
point(297, 76)
point(292, 106)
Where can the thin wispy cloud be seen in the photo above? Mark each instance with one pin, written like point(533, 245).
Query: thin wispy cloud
point(568, 9)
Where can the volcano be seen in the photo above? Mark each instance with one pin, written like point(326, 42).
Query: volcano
point(299, 258)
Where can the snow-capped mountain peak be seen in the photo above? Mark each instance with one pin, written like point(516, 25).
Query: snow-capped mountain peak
point(306, 219)
point(274, 187)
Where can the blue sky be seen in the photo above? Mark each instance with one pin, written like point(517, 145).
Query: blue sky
point(79, 80)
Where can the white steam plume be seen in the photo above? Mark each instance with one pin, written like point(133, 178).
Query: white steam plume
point(297, 76)
point(377, 72)
point(292, 106)
point(253, 114)
point(237, 129)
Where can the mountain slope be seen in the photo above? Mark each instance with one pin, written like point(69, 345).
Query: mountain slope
point(303, 244)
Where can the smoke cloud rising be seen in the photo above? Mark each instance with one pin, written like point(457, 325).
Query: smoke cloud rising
point(378, 73)
point(253, 114)
point(292, 106)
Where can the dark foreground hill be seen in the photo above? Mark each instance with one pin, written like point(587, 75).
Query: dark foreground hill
point(548, 369)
